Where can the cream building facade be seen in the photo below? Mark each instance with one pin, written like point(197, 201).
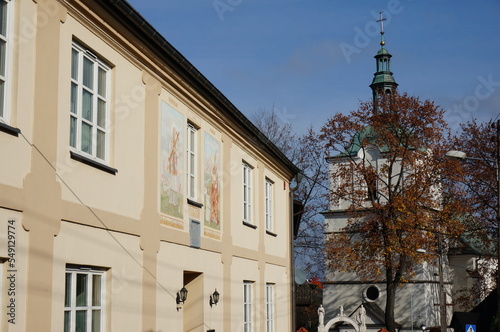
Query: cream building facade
point(125, 177)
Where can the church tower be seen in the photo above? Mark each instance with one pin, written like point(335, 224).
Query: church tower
point(383, 82)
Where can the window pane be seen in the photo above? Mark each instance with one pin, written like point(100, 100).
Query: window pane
point(81, 290)
point(88, 73)
point(100, 148)
point(3, 52)
point(81, 321)
point(67, 292)
point(101, 82)
point(87, 105)
point(74, 98)
point(96, 320)
point(191, 187)
point(2, 98)
point(101, 113)
point(86, 138)
point(74, 64)
point(96, 290)
point(72, 132)
point(67, 321)
point(3, 18)
point(249, 204)
point(192, 140)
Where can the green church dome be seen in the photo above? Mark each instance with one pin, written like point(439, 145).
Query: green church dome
point(383, 51)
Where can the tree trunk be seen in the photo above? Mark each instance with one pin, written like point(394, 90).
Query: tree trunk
point(389, 306)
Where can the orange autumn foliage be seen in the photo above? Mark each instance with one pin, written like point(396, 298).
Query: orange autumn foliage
point(387, 170)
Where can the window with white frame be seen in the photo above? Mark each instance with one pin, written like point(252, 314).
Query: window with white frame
point(191, 161)
point(84, 299)
point(247, 193)
point(269, 205)
point(269, 307)
point(5, 47)
point(247, 306)
point(89, 114)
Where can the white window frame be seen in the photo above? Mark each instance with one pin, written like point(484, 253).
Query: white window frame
point(269, 195)
point(247, 306)
point(6, 70)
point(270, 307)
point(192, 164)
point(247, 193)
point(95, 120)
point(89, 307)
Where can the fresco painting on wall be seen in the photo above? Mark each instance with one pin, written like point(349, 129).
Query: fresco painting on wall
point(212, 182)
point(172, 162)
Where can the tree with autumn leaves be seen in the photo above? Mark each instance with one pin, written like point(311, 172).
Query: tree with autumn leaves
point(477, 176)
point(388, 171)
point(395, 188)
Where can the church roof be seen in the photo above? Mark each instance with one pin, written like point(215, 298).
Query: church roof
point(383, 77)
point(383, 51)
point(470, 243)
point(473, 243)
point(358, 141)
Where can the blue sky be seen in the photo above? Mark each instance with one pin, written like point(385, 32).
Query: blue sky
point(313, 58)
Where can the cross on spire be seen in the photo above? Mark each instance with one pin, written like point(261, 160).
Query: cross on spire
point(383, 81)
point(381, 20)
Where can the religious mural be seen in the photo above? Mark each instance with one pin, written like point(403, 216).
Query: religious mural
point(212, 182)
point(172, 157)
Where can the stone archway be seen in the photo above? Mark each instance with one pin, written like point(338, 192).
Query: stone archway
point(342, 319)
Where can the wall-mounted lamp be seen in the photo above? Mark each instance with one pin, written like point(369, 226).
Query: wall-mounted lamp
point(298, 179)
point(214, 298)
point(181, 297)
